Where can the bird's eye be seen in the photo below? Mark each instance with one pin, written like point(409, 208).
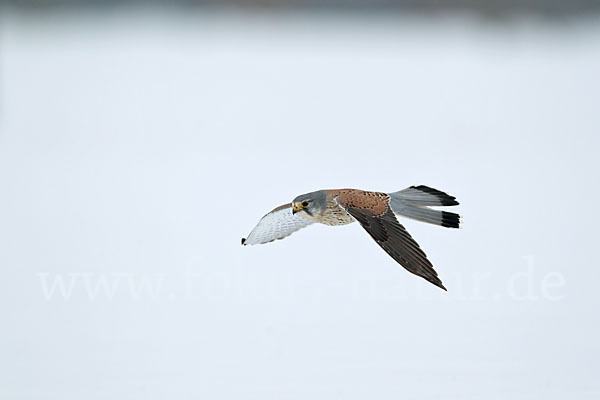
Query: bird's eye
point(305, 204)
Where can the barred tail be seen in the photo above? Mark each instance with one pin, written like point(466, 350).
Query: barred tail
point(413, 202)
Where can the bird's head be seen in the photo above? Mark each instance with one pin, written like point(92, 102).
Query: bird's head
point(313, 204)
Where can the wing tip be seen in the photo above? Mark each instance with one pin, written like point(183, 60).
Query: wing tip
point(243, 241)
point(435, 281)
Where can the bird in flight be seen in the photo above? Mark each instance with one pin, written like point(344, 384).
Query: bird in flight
point(375, 212)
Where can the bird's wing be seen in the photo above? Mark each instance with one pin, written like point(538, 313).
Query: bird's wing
point(277, 224)
point(373, 213)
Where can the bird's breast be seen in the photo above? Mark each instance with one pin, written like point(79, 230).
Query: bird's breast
point(335, 215)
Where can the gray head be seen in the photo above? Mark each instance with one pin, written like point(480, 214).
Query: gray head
point(313, 203)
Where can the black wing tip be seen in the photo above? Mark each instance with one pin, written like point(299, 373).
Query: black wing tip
point(437, 283)
point(444, 198)
point(450, 220)
point(243, 241)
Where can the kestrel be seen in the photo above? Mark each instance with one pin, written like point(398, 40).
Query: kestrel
point(375, 212)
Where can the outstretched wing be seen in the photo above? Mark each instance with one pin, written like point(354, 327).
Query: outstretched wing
point(277, 224)
point(381, 223)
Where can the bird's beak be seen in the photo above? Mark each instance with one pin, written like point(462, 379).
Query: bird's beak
point(295, 209)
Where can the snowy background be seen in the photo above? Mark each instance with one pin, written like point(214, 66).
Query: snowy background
point(138, 147)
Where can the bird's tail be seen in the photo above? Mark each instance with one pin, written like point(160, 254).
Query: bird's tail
point(413, 202)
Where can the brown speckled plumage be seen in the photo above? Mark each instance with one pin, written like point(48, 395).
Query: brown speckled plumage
point(376, 202)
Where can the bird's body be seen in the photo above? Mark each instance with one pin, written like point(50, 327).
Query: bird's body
point(333, 214)
point(375, 211)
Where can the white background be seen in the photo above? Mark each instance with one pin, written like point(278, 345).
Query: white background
point(136, 149)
